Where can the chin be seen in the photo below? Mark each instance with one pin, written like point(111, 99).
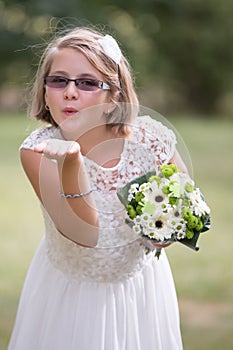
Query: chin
point(70, 129)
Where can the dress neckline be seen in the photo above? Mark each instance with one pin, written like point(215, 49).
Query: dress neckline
point(115, 167)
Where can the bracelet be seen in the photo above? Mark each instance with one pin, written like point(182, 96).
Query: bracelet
point(77, 195)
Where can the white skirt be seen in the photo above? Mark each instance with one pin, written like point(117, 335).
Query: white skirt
point(60, 313)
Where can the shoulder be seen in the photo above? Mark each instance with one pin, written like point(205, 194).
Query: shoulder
point(155, 137)
point(38, 136)
point(155, 130)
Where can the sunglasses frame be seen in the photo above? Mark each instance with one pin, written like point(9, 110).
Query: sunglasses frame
point(99, 83)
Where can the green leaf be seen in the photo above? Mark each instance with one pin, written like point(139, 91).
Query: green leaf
point(149, 208)
point(175, 189)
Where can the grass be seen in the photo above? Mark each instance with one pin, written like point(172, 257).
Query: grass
point(204, 280)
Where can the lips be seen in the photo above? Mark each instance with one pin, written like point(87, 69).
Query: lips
point(70, 110)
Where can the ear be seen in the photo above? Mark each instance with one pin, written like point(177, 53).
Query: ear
point(112, 103)
point(45, 97)
point(110, 107)
point(46, 101)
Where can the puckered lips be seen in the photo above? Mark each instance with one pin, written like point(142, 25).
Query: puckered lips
point(69, 111)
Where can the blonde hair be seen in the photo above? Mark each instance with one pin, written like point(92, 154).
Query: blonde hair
point(118, 76)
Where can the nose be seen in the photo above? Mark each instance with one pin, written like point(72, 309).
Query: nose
point(71, 91)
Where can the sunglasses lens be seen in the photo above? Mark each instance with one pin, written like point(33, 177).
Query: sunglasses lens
point(56, 82)
point(87, 84)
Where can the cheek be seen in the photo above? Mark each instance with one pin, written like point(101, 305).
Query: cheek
point(95, 98)
point(52, 96)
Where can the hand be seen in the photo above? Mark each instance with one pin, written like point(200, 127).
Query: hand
point(152, 245)
point(160, 245)
point(58, 149)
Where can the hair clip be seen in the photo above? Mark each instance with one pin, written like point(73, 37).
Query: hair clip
point(111, 48)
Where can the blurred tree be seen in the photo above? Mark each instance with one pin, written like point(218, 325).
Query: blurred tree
point(180, 46)
point(194, 49)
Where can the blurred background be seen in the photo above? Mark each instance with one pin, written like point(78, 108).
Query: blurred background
point(181, 52)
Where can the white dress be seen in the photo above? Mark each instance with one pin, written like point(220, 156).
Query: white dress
point(113, 296)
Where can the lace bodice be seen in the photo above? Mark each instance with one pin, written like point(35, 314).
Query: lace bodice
point(120, 251)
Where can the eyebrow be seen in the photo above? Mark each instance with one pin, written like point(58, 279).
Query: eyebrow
point(65, 74)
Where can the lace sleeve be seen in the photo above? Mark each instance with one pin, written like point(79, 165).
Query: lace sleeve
point(38, 136)
point(160, 139)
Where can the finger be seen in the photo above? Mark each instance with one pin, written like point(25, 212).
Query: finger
point(74, 148)
point(40, 147)
point(161, 245)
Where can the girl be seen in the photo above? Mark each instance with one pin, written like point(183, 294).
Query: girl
point(91, 285)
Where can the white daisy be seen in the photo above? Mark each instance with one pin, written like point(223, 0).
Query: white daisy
point(181, 235)
point(179, 226)
point(149, 233)
point(132, 190)
point(162, 227)
point(156, 195)
point(137, 229)
point(145, 187)
point(198, 205)
point(137, 220)
point(145, 218)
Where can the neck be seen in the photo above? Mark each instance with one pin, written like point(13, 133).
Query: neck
point(102, 145)
point(95, 137)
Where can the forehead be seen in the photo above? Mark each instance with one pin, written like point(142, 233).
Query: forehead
point(73, 62)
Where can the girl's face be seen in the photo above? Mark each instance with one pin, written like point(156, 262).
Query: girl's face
point(66, 103)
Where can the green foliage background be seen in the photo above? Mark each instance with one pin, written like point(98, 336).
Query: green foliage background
point(181, 50)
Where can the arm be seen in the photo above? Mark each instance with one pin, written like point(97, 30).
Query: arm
point(177, 160)
point(77, 218)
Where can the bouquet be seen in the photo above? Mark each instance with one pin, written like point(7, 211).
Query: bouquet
point(166, 207)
